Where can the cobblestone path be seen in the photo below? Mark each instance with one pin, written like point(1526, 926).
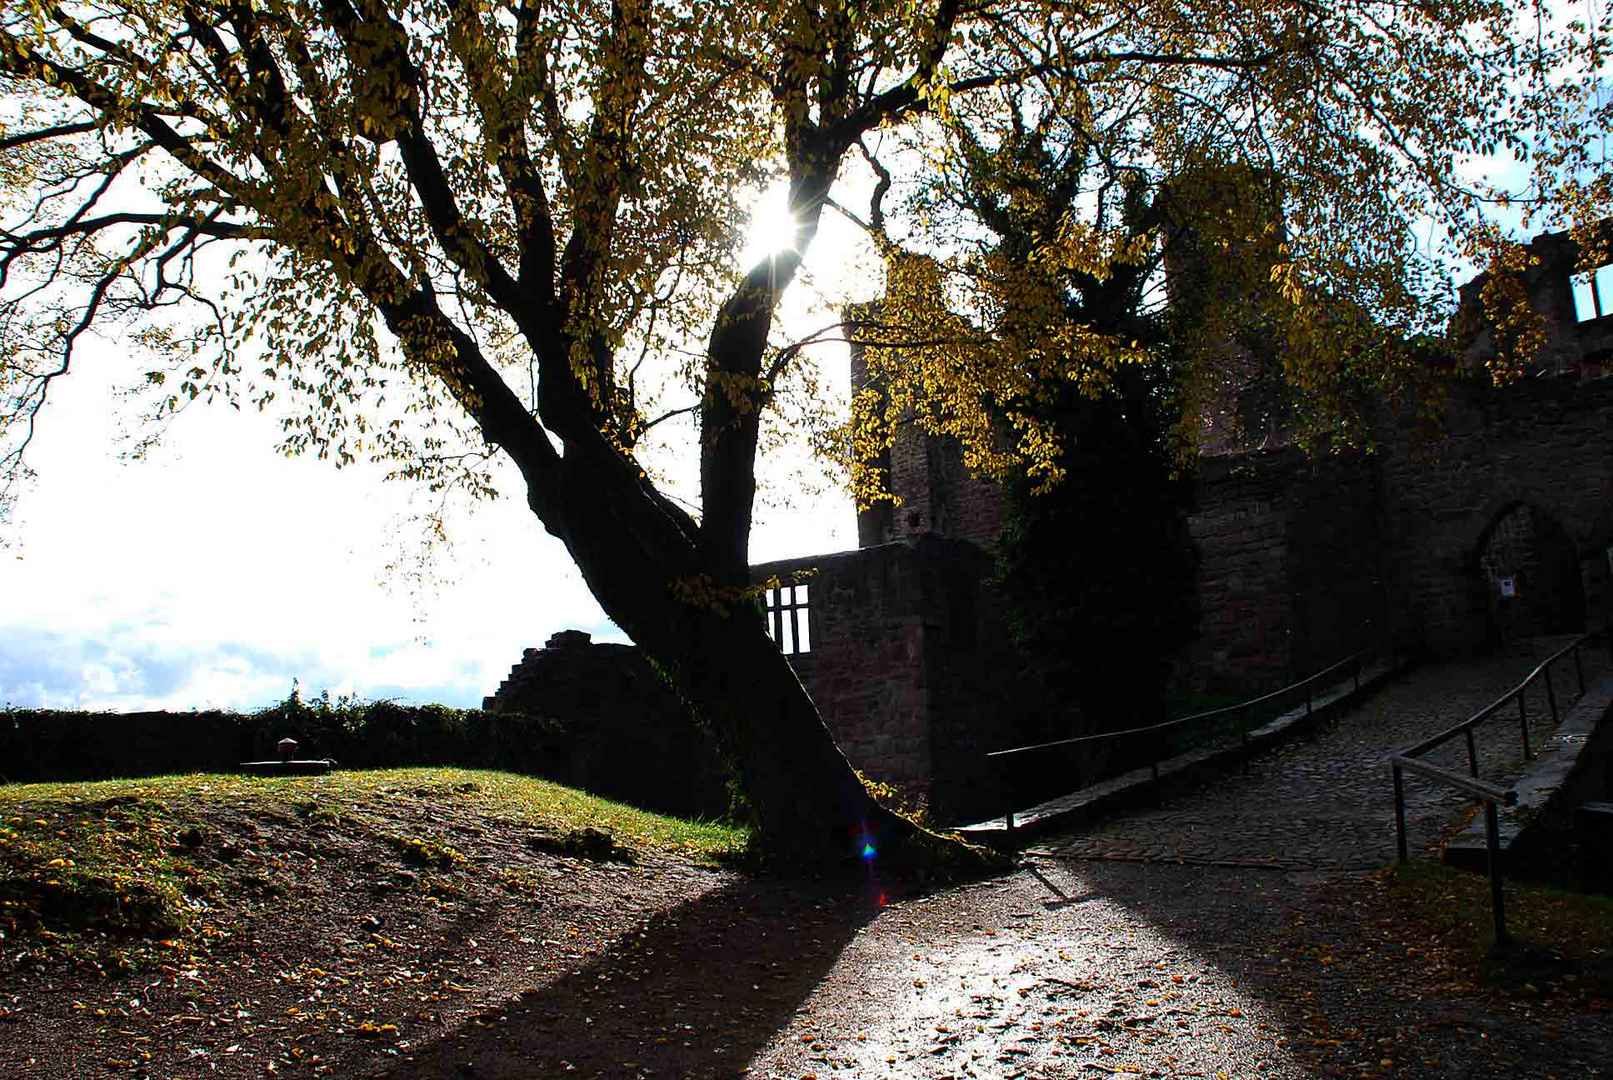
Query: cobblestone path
point(1326, 802)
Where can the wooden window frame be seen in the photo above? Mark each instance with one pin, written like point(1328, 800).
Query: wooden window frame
point(795, 603)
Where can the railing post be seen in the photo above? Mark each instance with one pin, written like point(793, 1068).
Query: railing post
point(1579, 670)
point(1008, 796)
point(1400, 813)
point(1492, 844)
point(1523, 723)
point(1310, 686)
point(1154, 768)
point(1551, 695)
point(1472, 756)
point(1243, 736)
point(1357, 671)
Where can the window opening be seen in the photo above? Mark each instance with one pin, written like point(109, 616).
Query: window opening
point(788, 621)
point(1593, 293)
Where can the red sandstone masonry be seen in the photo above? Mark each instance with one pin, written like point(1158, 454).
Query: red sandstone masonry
point(1547, 443)
point(909, 666)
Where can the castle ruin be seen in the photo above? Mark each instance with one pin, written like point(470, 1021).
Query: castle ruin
point(1500, 525)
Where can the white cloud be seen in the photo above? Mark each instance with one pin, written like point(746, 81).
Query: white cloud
point(216, 571)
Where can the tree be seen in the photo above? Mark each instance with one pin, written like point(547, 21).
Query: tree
point(1098, 571)
point(1136, 273)
point(487, 216)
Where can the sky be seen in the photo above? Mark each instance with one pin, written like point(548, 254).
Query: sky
point(214, 572)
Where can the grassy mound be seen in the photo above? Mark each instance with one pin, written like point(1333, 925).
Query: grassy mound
point(120, 871)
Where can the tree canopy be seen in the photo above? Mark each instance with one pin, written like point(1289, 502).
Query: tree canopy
point(1299, 184)
point(429, 230)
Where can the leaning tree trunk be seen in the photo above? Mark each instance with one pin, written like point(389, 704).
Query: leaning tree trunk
point(806, 801)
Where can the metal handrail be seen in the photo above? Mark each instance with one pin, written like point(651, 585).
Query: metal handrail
point(1492, 795)
point(1243, 709)
point(1477, 788)
point(1418, 749)
point(1223, 710)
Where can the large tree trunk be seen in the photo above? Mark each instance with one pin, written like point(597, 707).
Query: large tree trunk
point(807, 803)
point(680, 587)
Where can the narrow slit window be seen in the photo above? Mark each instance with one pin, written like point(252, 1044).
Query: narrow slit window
point(788, 623)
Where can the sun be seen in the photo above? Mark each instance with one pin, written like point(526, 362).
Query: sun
point(773, 229)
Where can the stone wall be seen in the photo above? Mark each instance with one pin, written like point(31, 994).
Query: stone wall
point(1288, 575)
point(865, 669)
point(619, 730)
point(938, 495)
point(1240, 530)
point(983, 698)
point(1545, 443)
point(1572, 347)
point(1336, 572)
point(907, 664)
point(1297, 556)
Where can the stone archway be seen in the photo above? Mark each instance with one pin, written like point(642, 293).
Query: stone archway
point(1529, 568)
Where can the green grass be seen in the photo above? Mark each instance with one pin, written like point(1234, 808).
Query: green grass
point(506, 797)
point(153, 862)
point(537, 802)
point(1557, 935)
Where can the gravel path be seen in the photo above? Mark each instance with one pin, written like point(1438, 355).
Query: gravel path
point(1086, 969)
point(1326, 802)
point(1102, 956)
point(1147, 946)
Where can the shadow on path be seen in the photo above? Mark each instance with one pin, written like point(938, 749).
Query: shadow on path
point(695, 994)
point(1073, 969)
point(1179, 964)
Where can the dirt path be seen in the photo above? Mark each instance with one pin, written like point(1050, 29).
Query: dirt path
point(1082, 969)
point(517, 963)
point(1060, 970)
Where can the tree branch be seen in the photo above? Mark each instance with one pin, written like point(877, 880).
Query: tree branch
point(11, 142)
point(504, 107)
point(18, 58)
point(376, 46)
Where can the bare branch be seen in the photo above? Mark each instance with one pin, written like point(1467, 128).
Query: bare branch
point(11, 142)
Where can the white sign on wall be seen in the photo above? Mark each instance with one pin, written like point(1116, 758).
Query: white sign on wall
point(1509, 587)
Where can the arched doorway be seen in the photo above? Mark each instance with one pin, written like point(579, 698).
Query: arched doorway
point(1530, 571)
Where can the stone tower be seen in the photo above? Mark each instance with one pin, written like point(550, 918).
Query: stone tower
point(937, 493)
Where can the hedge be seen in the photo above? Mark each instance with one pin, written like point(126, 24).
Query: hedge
point(55, 745)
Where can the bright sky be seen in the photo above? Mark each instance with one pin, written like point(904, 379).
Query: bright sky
point(215, 572)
